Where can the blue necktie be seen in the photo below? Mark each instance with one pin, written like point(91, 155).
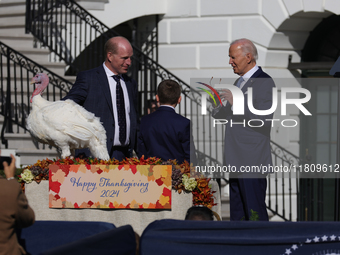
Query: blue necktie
point(239, 81)
point(120, 110)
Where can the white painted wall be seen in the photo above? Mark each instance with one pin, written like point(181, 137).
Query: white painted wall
point(194, 39)
point(117, 11)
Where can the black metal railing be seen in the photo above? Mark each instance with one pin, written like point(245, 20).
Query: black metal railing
point(284, 183)
point(16, 71)
point(76, 37)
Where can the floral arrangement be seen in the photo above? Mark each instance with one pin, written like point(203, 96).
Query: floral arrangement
point(182, 178)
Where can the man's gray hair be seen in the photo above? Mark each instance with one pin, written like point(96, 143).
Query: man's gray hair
point(247, 46)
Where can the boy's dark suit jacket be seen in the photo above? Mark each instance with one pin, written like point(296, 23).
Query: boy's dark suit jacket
point(165, 134)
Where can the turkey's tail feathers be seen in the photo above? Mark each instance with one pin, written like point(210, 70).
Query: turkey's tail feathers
point(98, 149)
point(97, 144)
point(94, 135)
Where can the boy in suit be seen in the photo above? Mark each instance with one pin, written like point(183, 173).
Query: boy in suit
point(164, 133)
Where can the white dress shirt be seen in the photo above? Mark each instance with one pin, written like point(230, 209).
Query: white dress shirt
point(113, 84)
point(248, 75)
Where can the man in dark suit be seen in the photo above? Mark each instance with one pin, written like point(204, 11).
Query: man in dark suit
point(15, 211)
point(247, 144)
point(164, 133)
point(107, 92)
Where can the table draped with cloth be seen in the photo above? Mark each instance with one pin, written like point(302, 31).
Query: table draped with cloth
point(139, 219)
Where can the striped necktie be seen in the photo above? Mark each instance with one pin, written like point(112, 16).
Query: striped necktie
point(120, 110)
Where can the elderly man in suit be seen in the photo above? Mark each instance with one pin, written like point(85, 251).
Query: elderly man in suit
point(247, 145)
point(14, 211)
point(164, 133)
point(111, 95)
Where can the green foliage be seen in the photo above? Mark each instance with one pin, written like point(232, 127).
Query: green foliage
point(18, 171)
point(254, 215)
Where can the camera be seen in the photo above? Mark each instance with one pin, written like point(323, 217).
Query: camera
point(4, 159)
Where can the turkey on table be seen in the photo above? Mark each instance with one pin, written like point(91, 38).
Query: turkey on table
point(65, 124)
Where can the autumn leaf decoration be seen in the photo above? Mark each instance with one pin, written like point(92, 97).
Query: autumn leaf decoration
point(202, 193)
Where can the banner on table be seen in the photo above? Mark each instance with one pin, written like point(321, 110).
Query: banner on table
point(110, 186)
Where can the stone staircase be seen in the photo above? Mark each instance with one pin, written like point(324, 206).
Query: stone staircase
point(12, 33)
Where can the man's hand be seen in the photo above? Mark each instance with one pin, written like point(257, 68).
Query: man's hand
point(9, 170)
point(226, 94)
point(212, 102)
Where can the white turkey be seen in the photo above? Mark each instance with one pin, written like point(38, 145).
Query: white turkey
point(65, 124)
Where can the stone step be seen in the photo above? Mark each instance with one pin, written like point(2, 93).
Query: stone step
point(57, 68)
point(23, 101)
point(12, 12)
point(37, 55)
point(13, 2)
point(12, 20)
point(18, 30)
point(12, 8)
point(18, 41)
point(28, 150)
point(31, 156)
point(24, 140)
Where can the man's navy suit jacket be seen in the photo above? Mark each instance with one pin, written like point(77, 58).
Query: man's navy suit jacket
point(165, 134)
point(249, 146)
point(91, 90)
